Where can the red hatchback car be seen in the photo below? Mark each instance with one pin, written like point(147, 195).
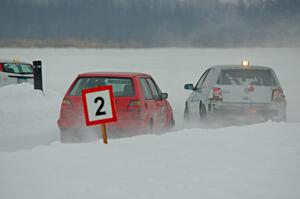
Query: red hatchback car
point(140, 105)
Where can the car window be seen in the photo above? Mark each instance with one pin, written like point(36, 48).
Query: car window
point(153, 88)
point(199, 84)
point(122, 87)
point(246, 77)
point(156, 86)
point(146, 89)
point(207, 80)
point(17, 68)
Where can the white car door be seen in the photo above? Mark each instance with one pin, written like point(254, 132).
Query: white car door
point(196, 96)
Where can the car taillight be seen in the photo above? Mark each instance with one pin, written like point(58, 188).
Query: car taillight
point(134, 105)
point(251, 89)
point(216, 94)
point(66, 102)
point(278, 95)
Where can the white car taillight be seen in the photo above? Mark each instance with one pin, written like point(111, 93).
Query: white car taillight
point(278, 95)
point(216, 94)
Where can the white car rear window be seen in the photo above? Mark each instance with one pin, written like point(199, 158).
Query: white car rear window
point(17, 68)
point(246, 77)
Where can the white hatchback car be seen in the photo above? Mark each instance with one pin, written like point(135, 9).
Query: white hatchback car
point(14, 72)
point(236, 90)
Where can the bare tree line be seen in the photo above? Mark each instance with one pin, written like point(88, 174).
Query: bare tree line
point(149, 23)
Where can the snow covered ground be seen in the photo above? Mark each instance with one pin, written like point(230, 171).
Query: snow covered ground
point(254, 161)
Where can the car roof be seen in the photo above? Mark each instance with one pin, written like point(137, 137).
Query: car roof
point(112, 74)
point(13, 61)
point(220, 67)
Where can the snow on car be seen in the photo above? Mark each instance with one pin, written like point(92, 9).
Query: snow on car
point(235, 90)
point(14, 72)
point(140, 105)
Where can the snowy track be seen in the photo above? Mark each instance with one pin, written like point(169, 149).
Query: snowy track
point(254, 161)
point(259, 161)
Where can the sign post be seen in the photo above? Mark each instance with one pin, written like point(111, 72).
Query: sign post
point(104, 135)
point(99, 108)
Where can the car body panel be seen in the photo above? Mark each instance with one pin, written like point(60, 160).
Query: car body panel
point(246, 94)
point(128, 118)
point(236, 99)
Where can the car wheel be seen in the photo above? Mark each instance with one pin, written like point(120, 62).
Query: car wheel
point(150, 126)
point(69, 136)
point(64, 136)
point(171, 124)
point(282, 119)
point(202, 112)
point(186, 113)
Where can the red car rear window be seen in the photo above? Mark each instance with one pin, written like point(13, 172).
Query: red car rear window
point(122, 87)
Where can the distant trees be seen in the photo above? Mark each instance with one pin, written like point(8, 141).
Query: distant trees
point(154, 23)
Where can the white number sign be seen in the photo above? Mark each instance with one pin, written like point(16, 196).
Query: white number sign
point(98, 105)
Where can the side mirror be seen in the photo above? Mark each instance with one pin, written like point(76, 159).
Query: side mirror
point(189, 87)
point(164, 96)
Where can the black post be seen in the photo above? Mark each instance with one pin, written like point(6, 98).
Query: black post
point(37, 75)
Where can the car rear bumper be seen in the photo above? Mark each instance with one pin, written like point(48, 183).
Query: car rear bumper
point(274, 111)
point(118, 125)
point(73, 132)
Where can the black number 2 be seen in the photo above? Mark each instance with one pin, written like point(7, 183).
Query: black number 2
point(99, 112)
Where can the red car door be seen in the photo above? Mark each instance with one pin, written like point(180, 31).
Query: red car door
point(160, 105)
point(151, 108)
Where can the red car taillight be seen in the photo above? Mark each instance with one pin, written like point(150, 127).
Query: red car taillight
point(134, 105)
point(278, 95)
point(66, 106)
point(1, 67)
point(66, 101)
point(216, 94)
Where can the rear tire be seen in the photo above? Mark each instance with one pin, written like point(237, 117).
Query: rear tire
point(171, 124)
point(202, 112)
point(186, 115)
point(282, 119)
point(65, 136)
point(150, 127)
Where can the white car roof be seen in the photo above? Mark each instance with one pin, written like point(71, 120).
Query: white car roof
point(12, 61)
point(220, 67)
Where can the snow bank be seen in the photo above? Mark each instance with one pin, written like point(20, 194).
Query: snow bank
point(258, 161)
point(27, 115)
